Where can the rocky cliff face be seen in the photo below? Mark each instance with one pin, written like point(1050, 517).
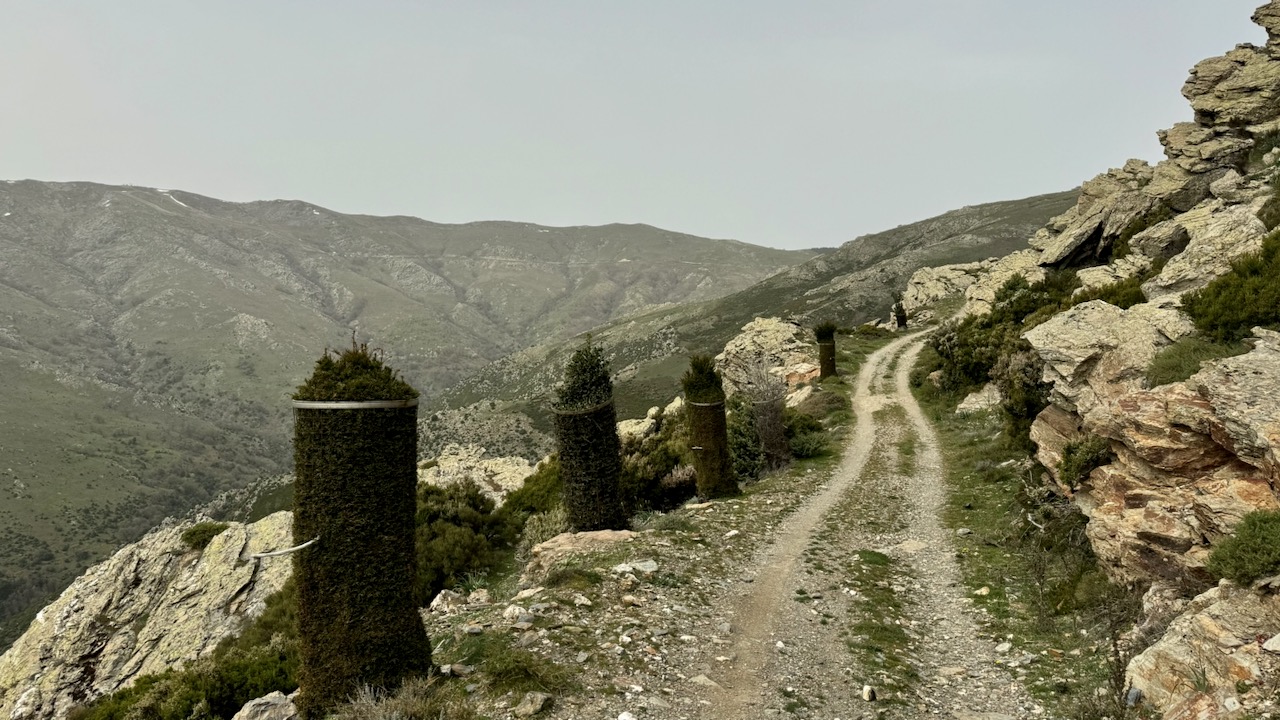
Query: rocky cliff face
point(152, 606)
point(1190, 458)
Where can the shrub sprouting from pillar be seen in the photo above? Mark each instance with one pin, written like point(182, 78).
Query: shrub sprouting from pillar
point(825, 332)
point(708, 431)
point(587, 437)
point(355, 446)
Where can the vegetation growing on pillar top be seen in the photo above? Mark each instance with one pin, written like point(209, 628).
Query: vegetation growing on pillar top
point(825, 331)
point(355, 374)
point(589, 448)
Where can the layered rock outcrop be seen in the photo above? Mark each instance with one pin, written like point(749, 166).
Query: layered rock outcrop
point(154, 605)
point(1221, 644)
point(1190, 458)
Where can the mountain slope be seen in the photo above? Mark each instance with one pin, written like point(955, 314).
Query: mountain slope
point(853, 284)
point(149, 339)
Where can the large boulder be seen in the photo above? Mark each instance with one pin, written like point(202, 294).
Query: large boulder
point(931, 284)
point(783, 348)
point(1191, 459)
point(1238, 89)
point(1211, 651)
point(152, 606)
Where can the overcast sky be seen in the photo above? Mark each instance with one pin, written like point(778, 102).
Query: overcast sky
point(792, 124)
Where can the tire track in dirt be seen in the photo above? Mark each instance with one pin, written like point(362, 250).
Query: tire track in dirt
point(742, 694)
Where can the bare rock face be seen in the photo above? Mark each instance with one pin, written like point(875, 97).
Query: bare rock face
point(1095, 351)
point(1103, 275)
point(1191, 458)
point(1108, 204)
point(1238, 89)
point(496, 476)
point(981, 294)
point(784, 348)
point(931, 284)
point(274, 706)
point(1215, 234)
point(152, 606)
point(1208, 649)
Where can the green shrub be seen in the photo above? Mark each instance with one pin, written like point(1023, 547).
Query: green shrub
point(1251, 553)
point(458, 533)
point(1229, 307)
point(513, 669)
point(1123, 294)
point(586, 379)
point(541, 528)
point(198, 536)
point(702, 382)
point(355, 374)
point(1080, 457)
point(745, 449)
point(970, 349)
point(809, 444)
point(540, 492)
point(1023, 392)
point(825, 331)
point(419, 699)
point(1184, 358)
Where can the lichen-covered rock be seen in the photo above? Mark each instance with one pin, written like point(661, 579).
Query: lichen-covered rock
point(151, 606)
point(638, 429)
point(1243, 393)
point(1096, 351)
point(931, 284)
point(274, 706)
point(1238, 89)
point(496, 476)
point(1101, 276)
point(1215, 234)
point(544, 556)
point(779, 346)
point(1209, 651)
point(981, 294)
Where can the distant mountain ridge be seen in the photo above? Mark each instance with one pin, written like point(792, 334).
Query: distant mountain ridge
point(149, 339)
point(853, 284)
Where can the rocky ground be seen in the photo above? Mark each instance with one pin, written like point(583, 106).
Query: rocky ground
point(813, 593)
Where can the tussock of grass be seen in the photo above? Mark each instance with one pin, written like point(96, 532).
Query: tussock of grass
point(1184, 358)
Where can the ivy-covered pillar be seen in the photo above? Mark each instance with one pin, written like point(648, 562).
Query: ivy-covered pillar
point(826, 336)
point(708, 430)
point(586, 426)
point(355, 446)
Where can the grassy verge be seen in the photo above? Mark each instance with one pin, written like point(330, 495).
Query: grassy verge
point(1026, 560)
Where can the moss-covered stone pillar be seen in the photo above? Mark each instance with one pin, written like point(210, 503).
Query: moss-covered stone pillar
point(708, 429)
point(586, 426)
point(355, 446)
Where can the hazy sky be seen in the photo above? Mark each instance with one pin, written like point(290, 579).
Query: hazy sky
point(790, 124)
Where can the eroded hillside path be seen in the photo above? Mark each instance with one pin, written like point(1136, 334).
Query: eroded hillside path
point(861, 587)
